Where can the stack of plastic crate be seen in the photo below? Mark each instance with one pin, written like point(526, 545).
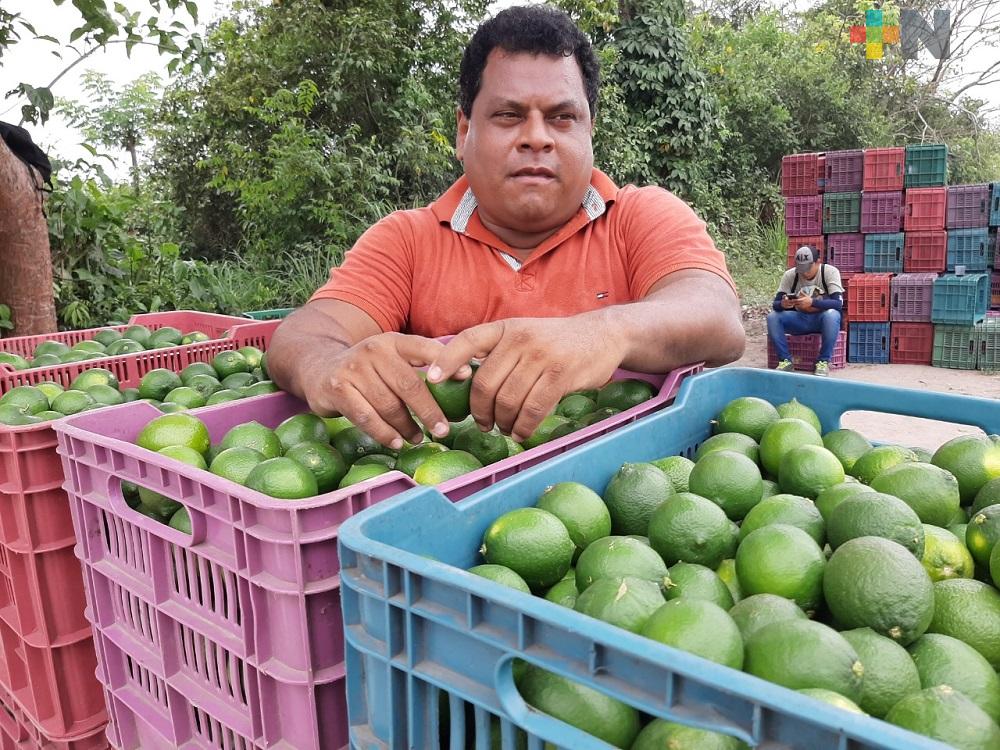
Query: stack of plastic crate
point(802, 185)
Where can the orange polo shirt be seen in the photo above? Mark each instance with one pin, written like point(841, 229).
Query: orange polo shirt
point(437, 270)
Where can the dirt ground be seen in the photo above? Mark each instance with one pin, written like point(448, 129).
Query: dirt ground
point(886, 427)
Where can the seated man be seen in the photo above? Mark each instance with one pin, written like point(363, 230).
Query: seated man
point(547, 272)
point(809, 300)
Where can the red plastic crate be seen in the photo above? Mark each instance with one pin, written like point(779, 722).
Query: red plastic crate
point(843, 171)
point(804, 216)
point(881, 212)
point(869, 298)
point(911, 343)
point(912, 297)
point(925, 252)
point(925, 208)
point(805, 350)
point(794, 243)
point(884, 169)
point(18, 733)
point(801, 174)
point(846, 252)
point(968, 206)
point(256, 586)
point(845, 280)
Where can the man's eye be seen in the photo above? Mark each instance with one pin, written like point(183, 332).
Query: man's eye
point(507, 115)
point(566, 117)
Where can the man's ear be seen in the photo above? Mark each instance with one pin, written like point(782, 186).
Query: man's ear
point(462, 132)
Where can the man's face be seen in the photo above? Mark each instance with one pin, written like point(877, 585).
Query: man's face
point(527, 146)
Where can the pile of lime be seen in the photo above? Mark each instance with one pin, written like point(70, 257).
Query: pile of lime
point(231, 375)
point(105, 343)
point(863, 576)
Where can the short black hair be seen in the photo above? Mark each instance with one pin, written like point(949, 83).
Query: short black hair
point(536, 29)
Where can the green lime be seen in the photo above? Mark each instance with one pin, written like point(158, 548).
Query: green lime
point(227, 363)
point(260, 388)
point(973, 460)
point(50, 347)
point(410, 459)
point(502, 575)
point(189, 398)
point(205, 385)
point(890, 674)
point(487, 447)
point(564, 593)
point(793, 510)
point(691, 528)
point(335, 425)
point(181, 520)
point(729, 441)
point(174, 429)
point(322, 460)
point(353, 443)
point(876, 514)
point(532, 542)
point(618, 557)
point(453, 397)
point(252, 435)
point(783, 436)
point(105, 394)
point(376, 458)
point(771, 488)
point(660, 734)
point(575, 406)
point(124, 346)
point(252, 355)
point(808, 470)
point(169, 407)
point(94, 376)
point(196, 337)
point(72, 402)
point(546, 431)
point(89, 346)
point(692, 581)
point(579, 706)
point(632, 494)
point(624, 394)
point(757, 611)
point(983, 533)
point(834, 699)
point(282, 478)
point(167, 335)
point(801, 654)
point(989, 493)
point(238, 380)
point(727, 572)
point(698, 627)
point(833, 496)
point(45, 360)
point(137, 333)
point(581, 510)
point(782, 560)
point(194, 369)
point(26, 398)
point(14, 361)
point(943, 713)
point(879, 460)
point(626, 603)
point(163, 506)
point(943, 660)
point(106, 336)
point(14, 417)
point(970, 611)
point(220, 397)
point(444, 466)
point(235, 464)
point(678, 470)
point(795, 410)
point(156, 384)
point(730, 480)
point(945, 555)
point(876, 583)
point(598, 415)
point(931, 491)
point(357, 474)
point(299, 428)
point(748, 415)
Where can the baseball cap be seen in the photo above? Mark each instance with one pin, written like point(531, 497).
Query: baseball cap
point(805, 256)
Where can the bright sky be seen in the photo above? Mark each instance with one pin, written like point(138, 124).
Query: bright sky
point(32, 61)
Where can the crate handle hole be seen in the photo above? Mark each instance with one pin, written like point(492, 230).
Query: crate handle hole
point(127, 501)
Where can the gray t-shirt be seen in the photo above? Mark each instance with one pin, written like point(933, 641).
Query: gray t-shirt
point(792, 283)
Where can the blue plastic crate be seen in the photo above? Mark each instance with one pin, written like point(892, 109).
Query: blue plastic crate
point(969, 248)
point(422, 633)
point(884, 252)
point(995, 204)
point(960, 300)
point(868, 343)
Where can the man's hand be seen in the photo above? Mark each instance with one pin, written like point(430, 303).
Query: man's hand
point(788, 302)
point(804, 304)
point(374, 384)
point(528, 364)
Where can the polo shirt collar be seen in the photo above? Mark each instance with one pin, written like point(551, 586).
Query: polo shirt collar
point(457, 205)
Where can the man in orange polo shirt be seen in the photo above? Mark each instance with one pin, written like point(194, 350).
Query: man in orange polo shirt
point(547, 272)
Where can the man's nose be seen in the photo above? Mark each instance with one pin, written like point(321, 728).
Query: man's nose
point(535, 134)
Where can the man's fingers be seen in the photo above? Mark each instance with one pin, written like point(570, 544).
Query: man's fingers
point(476, 342)
point(411, 390)
point(538, 403)
point(362, 413)
point(489, 379)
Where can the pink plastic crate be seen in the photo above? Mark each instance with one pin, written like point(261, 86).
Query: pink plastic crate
point(925, 209)
point(912, 295)
point(968, 206)
point(255, 587)
point(18, 733)
point(846, 252)
point(881, 212)
point(843, 171)
point(235, 333)
point(804, 216)
point(805, 349)
point(794, 243)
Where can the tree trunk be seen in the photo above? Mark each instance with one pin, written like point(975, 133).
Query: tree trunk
point(25, 260)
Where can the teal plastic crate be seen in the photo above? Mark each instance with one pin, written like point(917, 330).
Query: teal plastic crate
point(989, 345)
point(969, 248)
point(841, 213)
point(884, 252)
point(956, 347)
point(995, 204)
point(960, 300)
point(277, 314)
point(422, 634)
point(926, 166)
